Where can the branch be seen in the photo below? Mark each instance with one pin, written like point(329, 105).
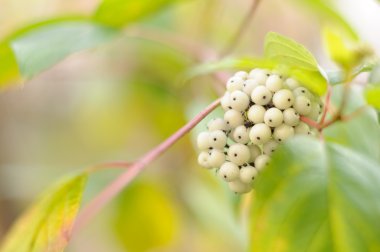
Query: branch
point(135, 168)
point(242, 28)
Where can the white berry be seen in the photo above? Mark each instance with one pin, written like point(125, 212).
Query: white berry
point(260, 133)
point(315, 111)
point(254, 151)
point(283, 99)
point(302, 91)
point(270, 147)
point(216, 158)
point(249, 85)
point(235, 83)
point(239, 100)
point(226, 101)
point(302, 105)
point(256, 114)
point(274, 83)
point(242, 74)
point(203, 141)
point(233, 118)
point(217, 124)
point(238, 186)
point(248, 174)
point(273, 117)
point(261, 162)
point(229, 171)
point(261, 95)
point(238, 154)
point(203, 159)
point(283, 132)
point(291, 117)
point(241, 134)
point(218, 139)
point(302, 129)
point(291, 83)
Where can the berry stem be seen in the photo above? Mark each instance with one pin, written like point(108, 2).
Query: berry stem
point(135, 168)
point(327, 105)
point(310, 122)
point(241, 30)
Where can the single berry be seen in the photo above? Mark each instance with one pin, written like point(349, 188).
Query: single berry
point(261, 162)
point(248, 174)
point(274, 83)
point(256, 114)
point(235, 83)
point(229, 171)
point(203, 141)
point(260, 133)
point(238, 186)
point(273, 117)
point(283, 99)
point(238, 154)
point(302, 105)
point(218, 139)
point(283, 132)
point(270, 147)
point(241, 134)
point(239, 100)
point(203, 159)
point(216, 158)
point(217, 124)
point(261, 95)
point(233, 118)
point(291, 117)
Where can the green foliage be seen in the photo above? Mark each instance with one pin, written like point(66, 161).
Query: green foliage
point(372, 94)
point(8, 66)
point(146, 217)
point(372, 91)
point(46, 45)
point(46, 226)
point(118, 13)
point(300, 63)
point(317, 196)
point(288, 52)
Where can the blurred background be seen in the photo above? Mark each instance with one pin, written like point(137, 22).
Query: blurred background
point(119, 100)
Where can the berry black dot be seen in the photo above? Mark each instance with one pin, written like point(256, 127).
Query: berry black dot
point(279, 139)
point(264, 97)
point(289, 99)
point(235, 155)
point(268, 75)
point(308, 104)
point(234, 99)
point(303, 91)
point(215, 139)
point(258, 138)
point(225, 176)
point(229, 107)
point(270, 120)
point(239, 137)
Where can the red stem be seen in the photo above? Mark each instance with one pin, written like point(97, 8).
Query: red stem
point(135, 168)
point(327, 105)
point(309, 122)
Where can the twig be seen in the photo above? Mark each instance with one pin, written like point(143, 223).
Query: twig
point(309, 122)
point(109, 165)
point(134, 169)
point(242, 28)
point(327, 105)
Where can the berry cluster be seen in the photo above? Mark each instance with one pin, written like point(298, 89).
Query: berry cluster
point(262, 109)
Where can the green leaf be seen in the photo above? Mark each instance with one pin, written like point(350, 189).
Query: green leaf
point(118, 13)
point(372, 95)
point(312, 80)
point(47, 225)
point(317, 196)
point(146, 217)
point(9, 72)
point(40, 48)
point(288, 52)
